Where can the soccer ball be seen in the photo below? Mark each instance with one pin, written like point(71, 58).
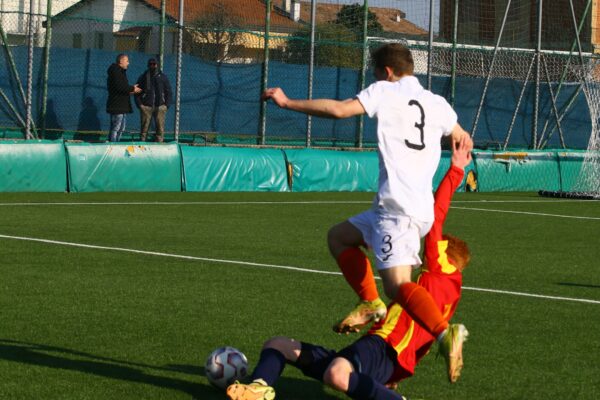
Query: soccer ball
point(225, 365)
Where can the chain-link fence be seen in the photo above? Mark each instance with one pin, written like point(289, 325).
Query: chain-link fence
point(504, 65)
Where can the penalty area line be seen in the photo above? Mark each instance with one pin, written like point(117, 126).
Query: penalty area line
point(253, 264)
point(259, 202)
point(525, 213)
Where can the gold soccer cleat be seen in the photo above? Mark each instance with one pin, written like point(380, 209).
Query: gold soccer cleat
point(450, 347)
point(363, 314)
point(257, 390)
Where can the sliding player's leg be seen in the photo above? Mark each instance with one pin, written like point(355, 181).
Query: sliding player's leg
point(362, 369)
point(273, 357)
point(312, 360)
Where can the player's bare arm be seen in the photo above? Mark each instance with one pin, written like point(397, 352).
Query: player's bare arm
point(327, 108)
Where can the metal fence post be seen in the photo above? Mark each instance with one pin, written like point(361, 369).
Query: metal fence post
point(265, 76)
point(161, 40)
point(178, 75)
point(430, 55)
point(538, 50)
point(28, 123)
point(454, 55)
point(363, 71)
point(47, 43)
point(311, 66)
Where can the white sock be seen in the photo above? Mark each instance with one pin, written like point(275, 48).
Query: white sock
point(441, 335)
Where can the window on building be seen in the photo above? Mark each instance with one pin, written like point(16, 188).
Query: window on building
point(99, 40)
point(77, 40)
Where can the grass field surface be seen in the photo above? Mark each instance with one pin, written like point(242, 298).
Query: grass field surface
point(123, 296)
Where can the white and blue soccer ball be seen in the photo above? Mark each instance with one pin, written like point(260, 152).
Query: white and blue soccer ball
point(226, 365)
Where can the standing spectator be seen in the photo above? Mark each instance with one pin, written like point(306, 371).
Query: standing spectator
point(154, 100)
point(118, 104)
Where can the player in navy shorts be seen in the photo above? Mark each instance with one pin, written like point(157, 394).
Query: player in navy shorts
point(393, 346)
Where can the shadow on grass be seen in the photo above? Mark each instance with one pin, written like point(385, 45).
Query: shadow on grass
point(584, 285)
point(71, 360)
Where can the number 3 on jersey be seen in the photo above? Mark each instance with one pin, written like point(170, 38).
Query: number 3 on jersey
point(419, 126)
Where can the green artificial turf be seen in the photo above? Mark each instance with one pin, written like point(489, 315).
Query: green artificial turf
point(104, 323)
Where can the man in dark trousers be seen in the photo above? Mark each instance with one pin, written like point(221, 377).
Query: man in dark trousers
point(118, 104)
point(154, 100)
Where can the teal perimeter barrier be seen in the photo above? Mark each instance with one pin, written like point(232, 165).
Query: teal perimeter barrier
point(232, 169)
point(47, 166)
point(109, 167)
point(32, 166)
point(332, 171)
point(517, 171)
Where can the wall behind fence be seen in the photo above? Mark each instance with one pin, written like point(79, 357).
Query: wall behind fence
point(224, 99)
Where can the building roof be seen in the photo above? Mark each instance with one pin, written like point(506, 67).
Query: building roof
point(134, 31)
point(252, 13)
point(391, 19)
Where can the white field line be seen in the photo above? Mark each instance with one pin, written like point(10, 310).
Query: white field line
point(525, 213)
point(253, 264)
point(305, 202)
point(183, 203)
point(258, 202)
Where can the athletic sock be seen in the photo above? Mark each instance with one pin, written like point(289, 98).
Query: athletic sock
point(364, 387)
point(418, 303)
point(356, 268)
point(270, 366)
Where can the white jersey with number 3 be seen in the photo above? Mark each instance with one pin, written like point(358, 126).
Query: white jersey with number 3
point(410, 124)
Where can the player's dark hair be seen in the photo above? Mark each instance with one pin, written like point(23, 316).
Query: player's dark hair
point(395, 56)
point(120, 57)
point(458, 252)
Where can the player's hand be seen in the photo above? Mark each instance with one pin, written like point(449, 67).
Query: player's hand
point(469, 140)
point(136, 89)
point(277, 95)
point(461, 152)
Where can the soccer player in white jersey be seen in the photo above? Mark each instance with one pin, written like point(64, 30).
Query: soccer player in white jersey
point(411, 122)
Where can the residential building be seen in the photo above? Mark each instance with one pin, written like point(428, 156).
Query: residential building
point(14, 18)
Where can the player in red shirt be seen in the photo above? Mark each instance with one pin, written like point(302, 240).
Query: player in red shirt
point(393, 346)
point(441, 275)
point(410, 123)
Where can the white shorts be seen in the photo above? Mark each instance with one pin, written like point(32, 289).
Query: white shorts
point(395, 239)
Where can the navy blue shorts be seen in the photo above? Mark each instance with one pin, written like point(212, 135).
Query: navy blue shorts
point(369, 355)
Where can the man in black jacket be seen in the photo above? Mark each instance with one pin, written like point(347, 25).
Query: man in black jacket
point(154, 100)
point(118, 104)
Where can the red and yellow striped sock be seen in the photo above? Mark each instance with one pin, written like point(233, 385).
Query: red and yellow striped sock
point(356, 268)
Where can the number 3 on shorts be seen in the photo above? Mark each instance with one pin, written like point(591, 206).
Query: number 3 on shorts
point(386, 247)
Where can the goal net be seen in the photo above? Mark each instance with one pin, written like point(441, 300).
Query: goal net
point(588, 182)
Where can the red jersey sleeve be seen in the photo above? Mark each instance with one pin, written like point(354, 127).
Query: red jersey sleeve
point(443, 196)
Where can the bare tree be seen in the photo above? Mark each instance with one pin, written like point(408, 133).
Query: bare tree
point(216, 34)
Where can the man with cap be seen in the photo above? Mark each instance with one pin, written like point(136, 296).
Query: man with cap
point(154, 100)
